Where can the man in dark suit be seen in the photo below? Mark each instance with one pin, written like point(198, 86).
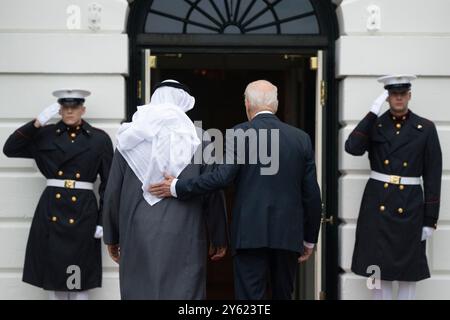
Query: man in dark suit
point(276, 215)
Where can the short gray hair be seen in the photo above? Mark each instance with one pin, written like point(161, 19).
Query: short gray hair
point(262, 99)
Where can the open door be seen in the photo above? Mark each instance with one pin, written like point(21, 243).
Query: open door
point(312, 274)
point(320, 103)
point(218, 80)
point(144, 83)
point(321, 158)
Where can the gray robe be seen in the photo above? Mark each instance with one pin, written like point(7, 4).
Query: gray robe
point(163, 248)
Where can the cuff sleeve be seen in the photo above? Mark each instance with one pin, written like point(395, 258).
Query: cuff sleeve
point(173, 189)
point(430, 222)
point(309, 245)
point(28, 130)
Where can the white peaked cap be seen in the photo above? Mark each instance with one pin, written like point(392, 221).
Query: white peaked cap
point(397, 81)
point(71, 94)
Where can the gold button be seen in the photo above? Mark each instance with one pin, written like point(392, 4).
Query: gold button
point(60, 173)
point(405, 164)
point(398, 132)
point(78, 175)
point(386, 185)
point(393, 118)
point(400, 210)
point(74, 199)
point(71, 221)
point(54, 219)
point(386, 162)
point(78, 127)
point(401, 187)
point(398, 125)
point(382, 208)
point(73, 135)
point(58, 196)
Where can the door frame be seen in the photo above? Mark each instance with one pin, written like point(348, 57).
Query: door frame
point(183, 43)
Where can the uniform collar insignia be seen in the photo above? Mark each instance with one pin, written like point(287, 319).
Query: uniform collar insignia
point(85, 127)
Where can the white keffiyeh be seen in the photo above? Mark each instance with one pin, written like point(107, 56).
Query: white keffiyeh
point(160, 139)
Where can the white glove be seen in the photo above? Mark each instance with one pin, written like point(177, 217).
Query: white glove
point(98, 232)
point(48, 113)
point(427, 232)
point(376, 105)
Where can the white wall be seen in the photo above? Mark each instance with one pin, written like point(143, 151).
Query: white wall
point(414, 38)
point(39, 54)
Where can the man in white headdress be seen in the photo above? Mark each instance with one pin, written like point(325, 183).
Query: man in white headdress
point(161, 245)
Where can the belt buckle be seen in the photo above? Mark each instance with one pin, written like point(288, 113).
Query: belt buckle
point(69, 184)
point(395, 179)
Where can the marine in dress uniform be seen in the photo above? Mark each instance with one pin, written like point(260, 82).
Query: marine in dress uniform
point(66, 227)
point(396, 214)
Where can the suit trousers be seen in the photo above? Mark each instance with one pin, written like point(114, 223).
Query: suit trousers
point(255, 269)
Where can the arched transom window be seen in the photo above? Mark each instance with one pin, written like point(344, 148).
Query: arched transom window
point(291, 17)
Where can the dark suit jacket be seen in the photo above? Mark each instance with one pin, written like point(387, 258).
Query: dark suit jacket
point(270, 211)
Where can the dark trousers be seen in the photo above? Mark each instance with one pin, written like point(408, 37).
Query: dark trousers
point(254, 269)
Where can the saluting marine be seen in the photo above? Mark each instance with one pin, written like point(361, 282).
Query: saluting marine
point(67, 225)
point(396, 215)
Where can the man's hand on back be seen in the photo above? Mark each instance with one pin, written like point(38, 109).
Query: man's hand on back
point(162, 189)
